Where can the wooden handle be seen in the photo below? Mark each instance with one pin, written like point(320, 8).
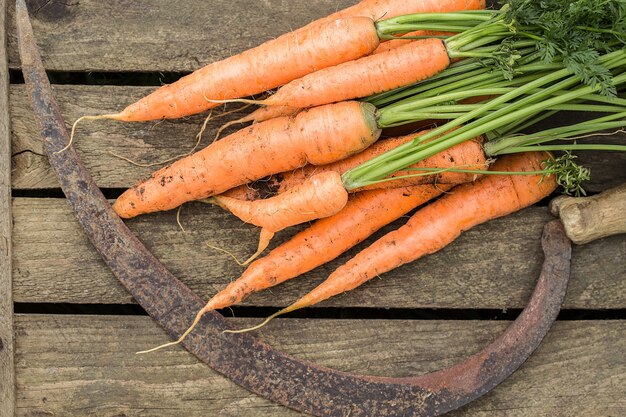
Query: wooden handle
point(590, 218)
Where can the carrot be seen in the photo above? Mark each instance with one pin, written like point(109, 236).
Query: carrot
point(256, 70)
point(327, 238)
point(363, 77)
point(467, 155)
point(438, 224)
point(319, 196)
point(379, 9)
point(277, 145)
point(269, 112)
point(341, 37)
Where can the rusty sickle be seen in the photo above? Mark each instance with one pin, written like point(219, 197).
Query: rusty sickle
point(251, 363)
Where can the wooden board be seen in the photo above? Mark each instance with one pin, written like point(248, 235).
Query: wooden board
point(492, 266)
point(7, 387)
point(86, 365)
point(151, 142)
point(154, 35)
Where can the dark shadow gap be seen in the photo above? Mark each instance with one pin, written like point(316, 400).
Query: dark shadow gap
point(109, 193)
point(113, 193)
point(356, 313)
point(104, 78)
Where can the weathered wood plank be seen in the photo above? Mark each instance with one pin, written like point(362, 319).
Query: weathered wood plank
point(7, 371)
point(149, 142)
point(93, 35)
point(85, 365)
point(492, 266)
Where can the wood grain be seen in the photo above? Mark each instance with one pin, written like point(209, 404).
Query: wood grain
point(7, 376)
point(151, 142)
point(494, 265)
point(86, 365)
point(151, 35)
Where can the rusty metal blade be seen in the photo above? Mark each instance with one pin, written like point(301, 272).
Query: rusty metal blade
point(253, 364)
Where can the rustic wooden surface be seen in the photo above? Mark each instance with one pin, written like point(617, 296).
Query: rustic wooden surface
point(158, 141)
point(494, 265)
point(86, 365)
point(7, 385)
point(75, 365)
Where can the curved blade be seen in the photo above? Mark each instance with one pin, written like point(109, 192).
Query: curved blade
point(254, 365)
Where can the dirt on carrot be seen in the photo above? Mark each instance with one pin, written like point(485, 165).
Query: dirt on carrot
point(468, 155)
point(320, 196)
point(317, 136)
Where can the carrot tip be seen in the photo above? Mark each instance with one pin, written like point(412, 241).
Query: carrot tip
point(237, 110)
point(285, 310)
point(178, 219)
point(229, 124)
point(166, 161)
point(258, 326)
point(196, 320)
point(102, 116)
point(202, 129)
point(264, 241)
point(232, 255)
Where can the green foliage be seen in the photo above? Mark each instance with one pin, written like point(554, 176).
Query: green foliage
point(576, 32)
point(569, 175)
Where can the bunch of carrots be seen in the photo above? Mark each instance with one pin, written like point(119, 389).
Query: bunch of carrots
point(313, 150)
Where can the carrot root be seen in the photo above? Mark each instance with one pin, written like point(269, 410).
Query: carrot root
point(266, 321)
point(237, 100)
point(227, 252)
point(182, 337)
point(264, 241)
point(112, 116)
point(174, 158)
point(229, 124)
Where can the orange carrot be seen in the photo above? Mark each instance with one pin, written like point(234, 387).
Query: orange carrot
point(319, 196)
point(259, 69)
point(369, 75)
point(316, 136)
point(440, 223)
point(386, 9)
point(467, 155)
point(340, 37)
point(327, 238)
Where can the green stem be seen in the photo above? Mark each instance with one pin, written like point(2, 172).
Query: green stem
point(414, 151)
point(459, 74)
point(571, 147)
